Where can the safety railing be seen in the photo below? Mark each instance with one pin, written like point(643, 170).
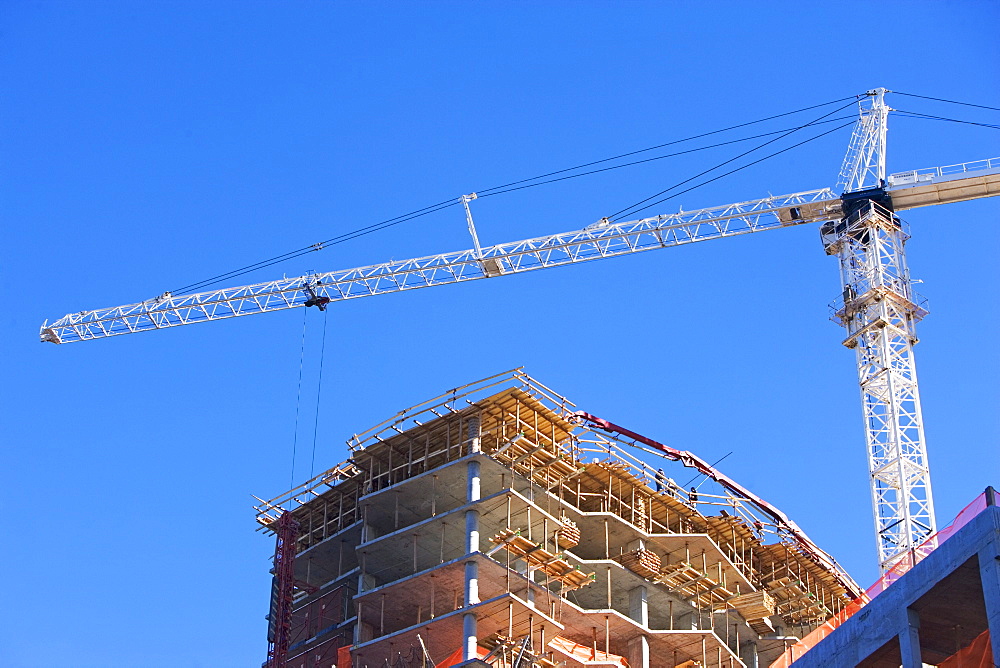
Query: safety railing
point(930, 174)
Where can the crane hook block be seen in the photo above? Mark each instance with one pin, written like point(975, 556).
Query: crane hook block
point(314, 299)
point(318, 302)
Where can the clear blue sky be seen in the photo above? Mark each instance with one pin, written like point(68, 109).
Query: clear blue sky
point(148, 145)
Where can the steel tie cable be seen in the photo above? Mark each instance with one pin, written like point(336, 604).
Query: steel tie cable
point(750, 164)
point(941, 99)
point(433, 208)
point(915, 114)
point(630, 208)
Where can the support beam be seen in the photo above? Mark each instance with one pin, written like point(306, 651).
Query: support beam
point(909, 641)
point(989, 573)
point(638, 652)
point(748, 654)
point(638, 605)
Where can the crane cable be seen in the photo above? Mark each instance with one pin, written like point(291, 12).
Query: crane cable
point(481, 193)
point(376, 227)
point(298, 397)
point(347, 236)
point(941, 99)
point(319, 394)
point(634, 208)
point(913, 114)
point(527, 183)
point(749, 164)
point(495, 190)
point(659, 157)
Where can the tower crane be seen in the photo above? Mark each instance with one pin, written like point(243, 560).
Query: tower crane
point(858, 224)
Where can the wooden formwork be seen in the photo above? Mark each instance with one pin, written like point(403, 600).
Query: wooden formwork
point(553, 565)
point(540, 443)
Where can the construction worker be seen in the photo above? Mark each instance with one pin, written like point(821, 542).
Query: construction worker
point(693, 495)
point(660, 479)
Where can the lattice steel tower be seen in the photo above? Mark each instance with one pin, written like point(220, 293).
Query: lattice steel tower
point(880, 311)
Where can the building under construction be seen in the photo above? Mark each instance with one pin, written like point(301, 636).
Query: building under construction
point(499, 525)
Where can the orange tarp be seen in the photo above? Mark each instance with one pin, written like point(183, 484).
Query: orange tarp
point(456, 657)
point(829, 626)
point(796, 651)
point(977, 655)
point(585, 654)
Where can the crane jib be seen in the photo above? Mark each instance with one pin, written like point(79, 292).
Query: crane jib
point(593, 242)
point(600, 240)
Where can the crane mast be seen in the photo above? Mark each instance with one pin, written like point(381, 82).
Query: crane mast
point(864, 162)
point(879, 311)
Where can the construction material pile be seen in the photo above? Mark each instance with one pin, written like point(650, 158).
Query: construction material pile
point(553, 565)
point(642, 562)
point(568, 535)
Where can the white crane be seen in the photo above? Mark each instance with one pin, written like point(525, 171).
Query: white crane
point(879, 308)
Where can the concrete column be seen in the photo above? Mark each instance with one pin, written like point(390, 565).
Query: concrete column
point(638, 652)
point(748, 654)
point(471, 531)
point(469, 634)
point(368, 532)
point(475, 442)
point(471, 583)
point(638, 605)
point(989, 574)
point(470, 640)
point(685, 621)
point(909, 641)
point(473, 490)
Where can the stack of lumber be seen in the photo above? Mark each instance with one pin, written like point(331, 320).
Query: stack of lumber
point(640, 512)
point(642, 562)
point(553, 565)
point(693, 585)
point(567, 535)
point(754, 605)
point(796, 603)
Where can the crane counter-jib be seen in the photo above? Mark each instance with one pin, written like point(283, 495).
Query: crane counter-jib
point(600, 240)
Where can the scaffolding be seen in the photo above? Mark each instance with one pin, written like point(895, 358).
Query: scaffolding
point(488, 520)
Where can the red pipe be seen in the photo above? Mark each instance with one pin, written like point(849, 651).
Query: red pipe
point(693, 461)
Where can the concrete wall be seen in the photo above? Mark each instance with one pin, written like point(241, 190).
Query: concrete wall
point(945, 600)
